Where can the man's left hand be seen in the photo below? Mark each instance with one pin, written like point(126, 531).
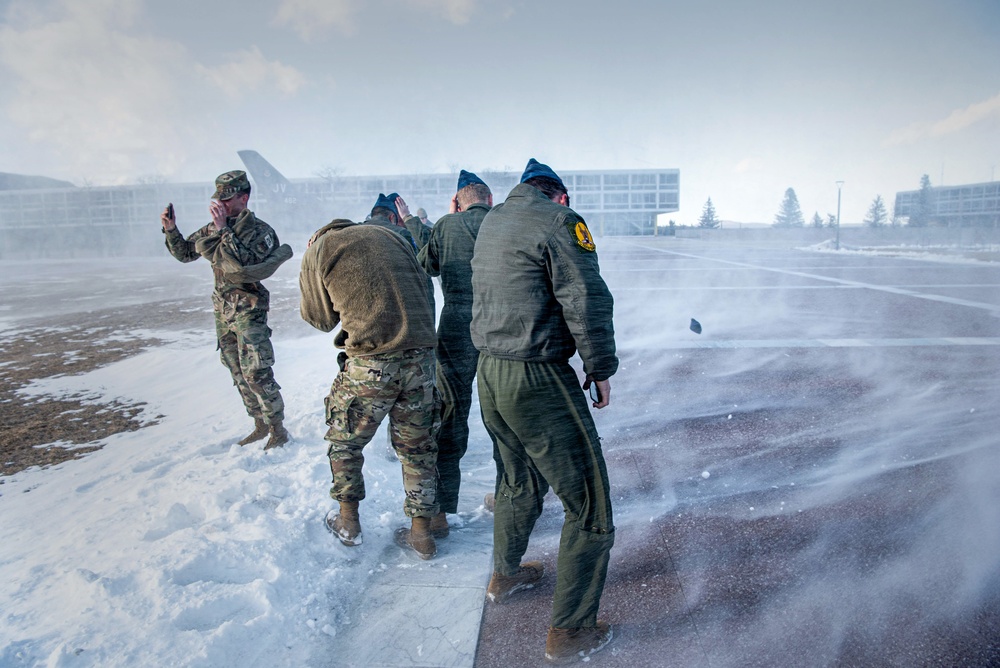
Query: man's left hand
point(404, 211)
point(603, 388)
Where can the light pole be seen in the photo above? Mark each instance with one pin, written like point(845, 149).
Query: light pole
point(839, 185)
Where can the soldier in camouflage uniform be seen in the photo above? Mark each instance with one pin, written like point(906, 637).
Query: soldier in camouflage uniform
point(448, 254)
point(243, 251)
point(366, 279)
point(538, 298)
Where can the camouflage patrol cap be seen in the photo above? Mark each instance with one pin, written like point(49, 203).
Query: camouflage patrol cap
point(231, 184)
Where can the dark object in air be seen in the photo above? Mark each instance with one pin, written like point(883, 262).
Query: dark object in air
point(170, 211)
point(695, 326)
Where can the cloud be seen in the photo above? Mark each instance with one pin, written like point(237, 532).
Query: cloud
point(747, 165)
point(82, 81)
point(456, 11)
point(83, 85)
point(249, 71)
point(311, 17)
point(958, 120)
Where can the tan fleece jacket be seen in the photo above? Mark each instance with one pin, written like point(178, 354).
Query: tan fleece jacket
point(367, 279)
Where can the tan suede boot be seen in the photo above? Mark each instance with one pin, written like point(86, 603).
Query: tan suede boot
point(570, 645)
point(418, 537)
point(502, 586)
point(279, 436)
point(345, 524)
point(259, 431)
point(439, 526)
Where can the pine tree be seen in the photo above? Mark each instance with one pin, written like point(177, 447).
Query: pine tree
point(708, 217)
point(831, 220)
point(790, 215)
point(816, 220)
point(921, 212)
point(876, 215)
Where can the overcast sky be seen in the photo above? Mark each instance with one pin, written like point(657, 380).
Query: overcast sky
point(745, 98)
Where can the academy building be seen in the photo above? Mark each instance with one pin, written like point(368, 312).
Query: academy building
point(614, 203)
point(972, 205)
point(39, 220)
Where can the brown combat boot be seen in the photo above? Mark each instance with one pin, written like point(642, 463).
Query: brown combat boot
point(345, 524)
point(569, 645)
point(439, 526)
point(259, 431)
point(279, 436)
point(502, 586)
point(418, 537)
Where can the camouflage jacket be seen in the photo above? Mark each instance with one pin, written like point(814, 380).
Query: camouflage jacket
point(242, 254)
point(366, 279)
point(448, 252)
point(537, 290)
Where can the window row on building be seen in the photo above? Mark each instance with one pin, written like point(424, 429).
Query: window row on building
point(613, 202)
point(974, 204)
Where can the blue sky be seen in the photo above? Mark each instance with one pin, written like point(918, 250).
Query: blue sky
point(746, 99)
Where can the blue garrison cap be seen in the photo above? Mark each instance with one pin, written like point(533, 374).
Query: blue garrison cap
point(536, 168)
point(467, 179)
point(388, 201)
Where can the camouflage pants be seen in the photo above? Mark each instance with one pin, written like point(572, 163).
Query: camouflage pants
point(245, 348)
point(400, 385)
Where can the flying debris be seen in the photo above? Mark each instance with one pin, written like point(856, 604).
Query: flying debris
point(695, 326)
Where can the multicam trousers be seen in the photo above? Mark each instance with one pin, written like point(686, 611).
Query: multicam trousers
point(246, 350)
point(400, 385)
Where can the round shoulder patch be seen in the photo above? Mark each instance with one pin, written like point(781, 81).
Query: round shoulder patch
point(584, 239)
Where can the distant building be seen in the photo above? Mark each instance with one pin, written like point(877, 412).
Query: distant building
point(972, 205)
point(124, 220)
point(614, 203)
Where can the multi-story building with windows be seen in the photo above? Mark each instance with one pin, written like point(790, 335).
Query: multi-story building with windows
point(972, 205)
point(124, 220)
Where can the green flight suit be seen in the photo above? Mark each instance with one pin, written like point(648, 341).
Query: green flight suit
point(420, 232)
point(447, 254)
point(538, 297)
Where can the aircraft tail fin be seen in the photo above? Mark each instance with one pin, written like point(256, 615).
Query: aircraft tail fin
point(265, 176)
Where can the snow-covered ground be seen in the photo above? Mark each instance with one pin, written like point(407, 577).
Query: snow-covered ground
point(173, 545)
point(953, 254)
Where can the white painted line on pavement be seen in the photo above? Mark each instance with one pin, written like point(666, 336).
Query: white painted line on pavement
point(839, 281)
